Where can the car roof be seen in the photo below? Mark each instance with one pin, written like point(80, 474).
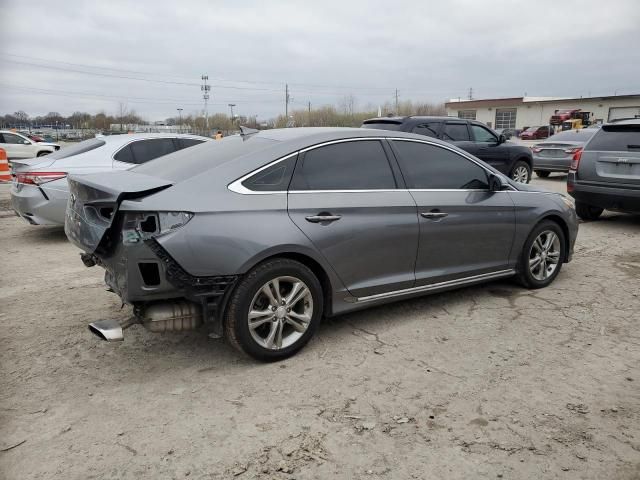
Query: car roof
point(313, 135)
point(399, 120)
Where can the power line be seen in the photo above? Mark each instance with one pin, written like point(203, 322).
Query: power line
point(143, 100)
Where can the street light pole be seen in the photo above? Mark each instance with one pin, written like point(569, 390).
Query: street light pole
point(180, 125)
point(231, 105)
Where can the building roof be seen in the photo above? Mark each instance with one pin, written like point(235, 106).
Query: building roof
point(515, 101)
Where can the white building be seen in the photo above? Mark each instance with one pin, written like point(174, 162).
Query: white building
point(521, 112)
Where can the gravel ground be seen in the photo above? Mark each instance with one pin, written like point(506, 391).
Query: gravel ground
point(491, 381)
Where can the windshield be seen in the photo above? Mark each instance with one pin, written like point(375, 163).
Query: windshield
point(77, 149)
point(574, 135)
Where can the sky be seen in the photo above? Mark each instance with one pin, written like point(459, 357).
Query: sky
point(70, 55)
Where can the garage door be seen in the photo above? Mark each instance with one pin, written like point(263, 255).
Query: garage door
point(616, 113)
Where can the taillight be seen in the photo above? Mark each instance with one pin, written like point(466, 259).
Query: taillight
point(575, 161)
point(38, 178)
point(572, 150)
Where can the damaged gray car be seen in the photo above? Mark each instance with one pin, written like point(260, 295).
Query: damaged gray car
point(260, 235)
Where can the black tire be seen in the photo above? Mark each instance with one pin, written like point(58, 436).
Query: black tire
point(516, 167)
point(588, 212)
point(542, 173)
point(236, 321)
point(42, 154)
point(524, 274)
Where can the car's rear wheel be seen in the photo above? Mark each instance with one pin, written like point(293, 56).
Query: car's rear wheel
point(588, 212)
point(542, 173)
point(521, 172)
point(275, 310)
point(542, 256)
point(42, 154)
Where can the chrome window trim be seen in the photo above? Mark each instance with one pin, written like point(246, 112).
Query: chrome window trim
point(434, 286)
point(237, 187)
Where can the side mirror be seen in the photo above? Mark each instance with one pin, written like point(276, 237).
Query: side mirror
point(26, 142)
point(501, 139)
point(495, 184)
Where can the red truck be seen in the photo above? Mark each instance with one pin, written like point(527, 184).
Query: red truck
point(562, 115)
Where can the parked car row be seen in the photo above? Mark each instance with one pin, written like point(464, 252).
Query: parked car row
point(254, 235)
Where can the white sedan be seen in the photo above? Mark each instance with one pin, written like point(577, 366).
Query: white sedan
point(40, 191)
point(18, 146)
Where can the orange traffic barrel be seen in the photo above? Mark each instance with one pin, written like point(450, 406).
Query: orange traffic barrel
point(5, 175)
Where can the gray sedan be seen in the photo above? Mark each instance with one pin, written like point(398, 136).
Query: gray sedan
point(259, 236)
point(556, 152)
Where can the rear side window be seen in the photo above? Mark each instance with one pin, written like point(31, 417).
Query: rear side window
point(275, 178)
point(355, 165)
point(124, 155)
point(428, 129)
point(432, 167)
point(616, 138)
point(144, 150)
point(456, 132)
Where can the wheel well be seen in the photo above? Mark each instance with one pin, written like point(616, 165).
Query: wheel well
point(524, 159)
point(565, 230)
point(317, 270)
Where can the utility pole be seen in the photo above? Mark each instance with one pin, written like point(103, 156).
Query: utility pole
point(470, 93)
point(205, 96)
point(180, 125)
point(286, 101)
point(397, 112)
point(231, 105)
point(309, 108)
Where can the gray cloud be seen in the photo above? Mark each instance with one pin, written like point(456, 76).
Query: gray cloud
point(325, 50)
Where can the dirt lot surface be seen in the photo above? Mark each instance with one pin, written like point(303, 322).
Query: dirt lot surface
point(489, 382)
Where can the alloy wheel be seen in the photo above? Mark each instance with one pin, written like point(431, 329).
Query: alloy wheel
point(520, 174)
point(544, 255)
point(280, 312)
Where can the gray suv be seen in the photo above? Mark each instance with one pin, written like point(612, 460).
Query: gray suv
point(606, 173)
point(260, 235)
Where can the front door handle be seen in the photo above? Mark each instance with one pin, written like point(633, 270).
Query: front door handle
point(322, 218)
point(433, 215)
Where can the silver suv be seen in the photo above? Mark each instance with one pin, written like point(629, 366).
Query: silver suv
point(606, 174)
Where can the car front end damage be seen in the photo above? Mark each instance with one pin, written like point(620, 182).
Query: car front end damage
point(164, 296)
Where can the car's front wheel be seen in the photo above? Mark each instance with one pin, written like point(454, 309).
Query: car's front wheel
point(542, 256)
point(521, 172)
point(275, 310)
point(588, 212)
point(42, 154)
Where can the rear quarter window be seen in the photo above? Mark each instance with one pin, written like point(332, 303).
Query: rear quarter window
point(616, 138)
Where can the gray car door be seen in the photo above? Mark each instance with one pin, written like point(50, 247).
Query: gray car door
point(489, 149)
point(465, 229)
point(344, 197)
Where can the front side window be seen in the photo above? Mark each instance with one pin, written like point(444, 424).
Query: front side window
point(354, 165)
point(456, 132)
point(428, 129)
point(432, 167)
point(483, 135)
point(142, 151)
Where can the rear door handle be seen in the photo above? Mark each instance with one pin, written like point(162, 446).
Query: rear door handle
point(433, 214)
point(322, 218)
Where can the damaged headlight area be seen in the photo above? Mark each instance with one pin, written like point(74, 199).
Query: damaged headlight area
point(141, 226)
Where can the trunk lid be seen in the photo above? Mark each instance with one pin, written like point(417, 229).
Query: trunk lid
point(26, 164)
point(94, 200)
